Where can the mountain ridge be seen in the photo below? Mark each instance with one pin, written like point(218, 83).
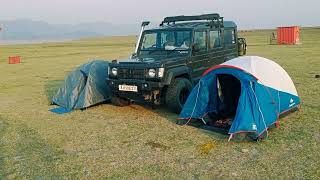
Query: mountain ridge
point(26, 29)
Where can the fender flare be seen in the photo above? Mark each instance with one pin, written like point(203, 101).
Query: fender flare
point(172, 73)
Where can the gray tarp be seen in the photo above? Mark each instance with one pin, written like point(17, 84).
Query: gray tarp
point(84, 87)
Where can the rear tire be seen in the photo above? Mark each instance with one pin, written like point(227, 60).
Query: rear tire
point(177, 94)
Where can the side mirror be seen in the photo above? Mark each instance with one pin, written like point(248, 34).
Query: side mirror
point(133, 56)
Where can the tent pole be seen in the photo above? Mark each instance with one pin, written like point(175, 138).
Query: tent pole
point(230, 137)
point(204, 122)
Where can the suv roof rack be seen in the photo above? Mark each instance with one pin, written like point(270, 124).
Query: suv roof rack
point(215, 19)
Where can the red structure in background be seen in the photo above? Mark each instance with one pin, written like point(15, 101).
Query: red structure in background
point(288, 35)
point(14, 59)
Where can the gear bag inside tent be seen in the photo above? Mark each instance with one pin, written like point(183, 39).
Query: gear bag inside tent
point(249, 92)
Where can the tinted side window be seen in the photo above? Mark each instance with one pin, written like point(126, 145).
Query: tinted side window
point(215, 39)
point(200, 40)
point(229, 37)
point(184, 38)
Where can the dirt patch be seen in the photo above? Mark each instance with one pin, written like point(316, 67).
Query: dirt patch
point(157, 146)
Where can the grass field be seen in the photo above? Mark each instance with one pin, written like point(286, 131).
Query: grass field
point(134, 141)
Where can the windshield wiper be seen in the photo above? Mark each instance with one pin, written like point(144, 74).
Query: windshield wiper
point(155, 50)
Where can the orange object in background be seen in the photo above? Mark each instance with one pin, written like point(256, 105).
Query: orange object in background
point(14, 59)
point(288, 35)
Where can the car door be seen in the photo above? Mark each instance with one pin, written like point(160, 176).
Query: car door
point(215, 48)
point(199, 59)
point(230, 43)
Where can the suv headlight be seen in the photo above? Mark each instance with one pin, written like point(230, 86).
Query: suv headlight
point(161, 72)
point(152, 73)
point(114, 71)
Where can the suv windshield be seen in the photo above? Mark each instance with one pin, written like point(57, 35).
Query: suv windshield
point(165, 42)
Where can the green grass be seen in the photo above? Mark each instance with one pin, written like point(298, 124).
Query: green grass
point(112, 142)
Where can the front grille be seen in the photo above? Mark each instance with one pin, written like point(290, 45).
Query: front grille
point(126, 73)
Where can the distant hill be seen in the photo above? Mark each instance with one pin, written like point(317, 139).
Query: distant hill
point(25, 29)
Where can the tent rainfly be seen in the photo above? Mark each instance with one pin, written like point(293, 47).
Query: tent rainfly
point(84, 87)
point(254, 91)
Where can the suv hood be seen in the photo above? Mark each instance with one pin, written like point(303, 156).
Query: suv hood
point(138, 60)
point(148, 61)
point(136, 63)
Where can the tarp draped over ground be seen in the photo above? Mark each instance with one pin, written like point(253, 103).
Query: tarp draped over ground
point(84, 87)
point(265, 92)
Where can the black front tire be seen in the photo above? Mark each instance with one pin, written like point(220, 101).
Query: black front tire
point(177, 94)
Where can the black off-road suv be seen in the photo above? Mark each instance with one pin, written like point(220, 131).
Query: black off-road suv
point(169, 60)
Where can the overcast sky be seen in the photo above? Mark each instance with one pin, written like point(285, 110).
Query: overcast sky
point(246, 13)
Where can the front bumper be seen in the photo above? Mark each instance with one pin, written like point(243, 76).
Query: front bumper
point(146, 89)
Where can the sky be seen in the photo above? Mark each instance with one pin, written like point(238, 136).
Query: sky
point(248, 14)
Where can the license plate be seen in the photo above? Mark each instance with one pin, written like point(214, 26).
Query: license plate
point(128, 88)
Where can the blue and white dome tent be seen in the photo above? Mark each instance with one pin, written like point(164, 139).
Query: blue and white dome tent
point(259, 91)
